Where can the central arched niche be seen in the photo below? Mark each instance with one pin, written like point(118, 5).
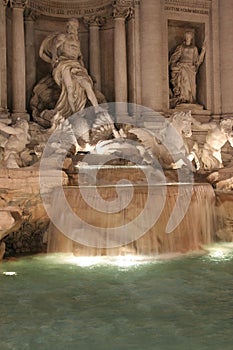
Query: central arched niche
point(176, 30)
point(51, 16)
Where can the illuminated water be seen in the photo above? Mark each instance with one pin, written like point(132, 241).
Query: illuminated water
point(55, 302)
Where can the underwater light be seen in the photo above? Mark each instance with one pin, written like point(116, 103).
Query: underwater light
point(128, 261)
point(119, 261)
point(9, 273)
point(85, 261)
point(219, 251)
point(220, 254)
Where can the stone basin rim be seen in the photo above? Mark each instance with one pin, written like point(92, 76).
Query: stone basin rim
point(139, 185)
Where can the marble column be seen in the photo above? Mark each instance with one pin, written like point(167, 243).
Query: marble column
point(94, 49)
point(3, 69)
point(152, 59)
point(120, 13)
point(133, 62)
point(226, 54)
point(30, 53)
point(18, 61)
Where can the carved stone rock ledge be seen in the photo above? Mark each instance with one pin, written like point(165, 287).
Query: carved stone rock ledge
point(23, 218)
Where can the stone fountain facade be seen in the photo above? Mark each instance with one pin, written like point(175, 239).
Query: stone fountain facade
point(121, 42)
point(134, 51)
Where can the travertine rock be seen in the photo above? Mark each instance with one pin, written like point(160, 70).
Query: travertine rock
point(23, 219)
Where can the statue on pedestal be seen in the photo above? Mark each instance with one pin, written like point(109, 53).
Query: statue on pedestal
point(184, 64)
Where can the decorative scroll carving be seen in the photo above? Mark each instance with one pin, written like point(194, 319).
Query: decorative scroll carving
point(5, 2)
point(123, 9)
point(94, 21)
point(31, 15)
point(18, 3)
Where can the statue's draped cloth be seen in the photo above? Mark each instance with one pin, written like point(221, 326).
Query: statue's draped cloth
point(184, 62)
point(78, 73)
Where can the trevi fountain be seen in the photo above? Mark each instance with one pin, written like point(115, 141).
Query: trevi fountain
point(116, 137)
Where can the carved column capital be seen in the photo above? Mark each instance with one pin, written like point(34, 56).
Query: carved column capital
point(31, 15)
point(4, 2)
point(123, 9)
point(18, 3)
point(97, 21)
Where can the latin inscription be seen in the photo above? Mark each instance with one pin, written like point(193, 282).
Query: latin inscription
point(189, 3)
point(186, 9)
point(66, 11)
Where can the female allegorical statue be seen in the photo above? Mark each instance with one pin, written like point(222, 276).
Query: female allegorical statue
point(184, 64)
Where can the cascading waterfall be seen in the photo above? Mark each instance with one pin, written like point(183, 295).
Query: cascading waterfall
point(84, 238)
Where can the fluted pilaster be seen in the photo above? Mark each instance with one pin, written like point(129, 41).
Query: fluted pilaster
point(133, 54)
point(226, 54)
point(120, 13)
point(3, 65)
point(151, 54)
point(18, 60)
point(94, 24)
point(30, 18)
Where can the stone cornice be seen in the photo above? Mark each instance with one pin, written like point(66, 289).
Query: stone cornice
point(95, 12)
point(71, 8)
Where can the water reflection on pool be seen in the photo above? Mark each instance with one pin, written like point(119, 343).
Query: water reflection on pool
point(60, 302)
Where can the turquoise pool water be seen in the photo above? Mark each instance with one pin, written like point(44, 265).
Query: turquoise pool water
point(59, 302)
